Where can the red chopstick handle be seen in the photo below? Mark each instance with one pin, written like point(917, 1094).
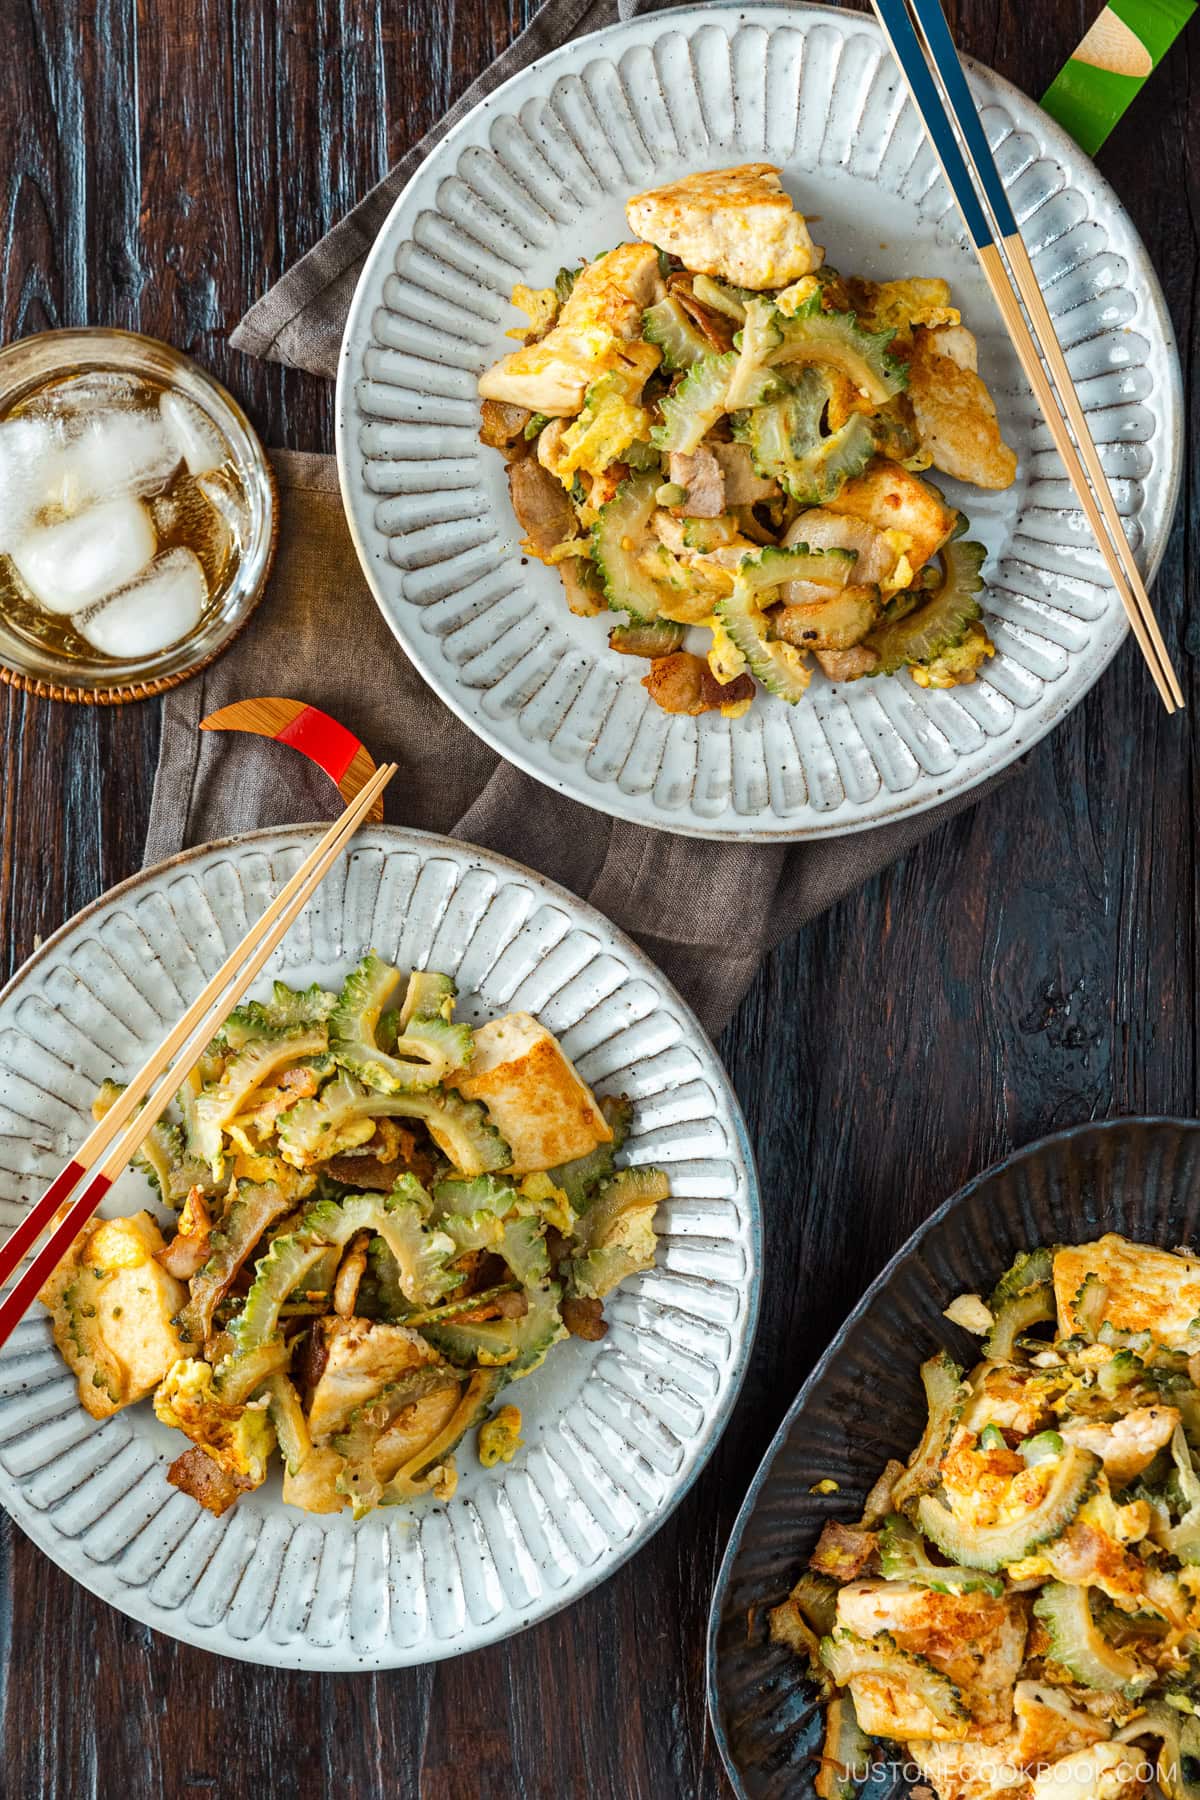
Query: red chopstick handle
point(24, 1291)
point(31, 1227)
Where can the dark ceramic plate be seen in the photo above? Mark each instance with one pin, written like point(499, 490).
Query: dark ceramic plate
point(863, 1403)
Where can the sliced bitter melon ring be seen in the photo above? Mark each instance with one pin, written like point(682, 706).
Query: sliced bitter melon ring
point(835, 339)
point(993, 1547)
point(782, 669)
point(787, 445)
point(903, 1557)
point(944, 619)
point(620, 532)
point(667, 325)
point(690, 413)
point(1077, 1645)
point(945, 1395)
point(846, 1655)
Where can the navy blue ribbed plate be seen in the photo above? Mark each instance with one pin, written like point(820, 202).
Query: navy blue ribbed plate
point(864, 1403)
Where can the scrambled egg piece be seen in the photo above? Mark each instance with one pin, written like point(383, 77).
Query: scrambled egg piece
point(535, 1099)
point(957, 666)
point(734, 223)
point(602, 314)
point(900, 306)
point(361, 1358)
point(500, 1438)
point(975, 1640)
point(724, 658)
point(954, 414)
point(1148, 1289)
point(111, 1308)
point(239, 1439)
point(893, 499)
point(539, 305)
point(991, 1487)
point(611, 419)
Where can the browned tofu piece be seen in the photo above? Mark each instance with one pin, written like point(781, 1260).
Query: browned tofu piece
point(971, 1771)
point(1147, 1289)
point(736, 223)
point(892, 498)
point(1049, 1727)
point(954, 412)
point(361, 1357)
point(975, 1640)
point(536, 1101)
point(111, 1306)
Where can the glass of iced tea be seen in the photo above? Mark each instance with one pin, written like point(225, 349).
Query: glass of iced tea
point(137, 516)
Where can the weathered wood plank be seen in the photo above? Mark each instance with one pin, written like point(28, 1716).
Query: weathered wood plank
point(1032, 965)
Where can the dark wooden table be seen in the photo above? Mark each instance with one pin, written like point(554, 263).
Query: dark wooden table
point(1030, 966)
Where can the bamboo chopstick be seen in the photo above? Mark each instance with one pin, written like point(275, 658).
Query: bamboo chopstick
point(1035, 341)
point(124, 1127)
point(947, 69)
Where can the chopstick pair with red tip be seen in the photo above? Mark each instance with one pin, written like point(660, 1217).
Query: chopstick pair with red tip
point(921, 43)
point(129, 1122)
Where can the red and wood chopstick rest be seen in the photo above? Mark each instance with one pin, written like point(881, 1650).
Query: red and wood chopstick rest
point(347, 762)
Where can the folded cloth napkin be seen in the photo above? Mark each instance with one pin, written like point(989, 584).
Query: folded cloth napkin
point(706, 913)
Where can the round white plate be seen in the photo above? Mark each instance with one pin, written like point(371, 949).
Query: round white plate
point(615, 1433)
point(537, 177)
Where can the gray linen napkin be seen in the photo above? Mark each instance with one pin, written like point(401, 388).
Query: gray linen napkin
point(319, 637)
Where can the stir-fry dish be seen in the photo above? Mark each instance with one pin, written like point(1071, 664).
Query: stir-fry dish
point(385, 1217)
point(1019, 1607)
point(713, 428)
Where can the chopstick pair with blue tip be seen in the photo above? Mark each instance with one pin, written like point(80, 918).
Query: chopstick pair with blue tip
point(926, 56)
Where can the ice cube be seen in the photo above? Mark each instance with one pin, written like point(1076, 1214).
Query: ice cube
point(194, 436)
point(95, 387)
point(28, 449)
point(156, 611)
point(70, 565)
point(228, 508)
point(116, 452)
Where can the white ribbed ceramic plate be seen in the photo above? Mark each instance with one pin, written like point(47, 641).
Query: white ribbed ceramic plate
point(536, 177)
point(615, 1432)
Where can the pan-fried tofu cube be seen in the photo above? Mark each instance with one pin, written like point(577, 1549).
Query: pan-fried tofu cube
point(603, 311)
point(734, 223)
point(111, 1307)
point(1106, 1772)
point(1148, 1290)
point(536, 1101)
point(894, 499)
point(954, 412)
point(1129, 1444)
point(971, 1771)
point(975, 1640)
point(314, 1484)
point(1049, 1727)
point(360, 1359)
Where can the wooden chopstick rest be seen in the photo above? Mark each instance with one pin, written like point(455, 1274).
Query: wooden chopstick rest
point(347, 761)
